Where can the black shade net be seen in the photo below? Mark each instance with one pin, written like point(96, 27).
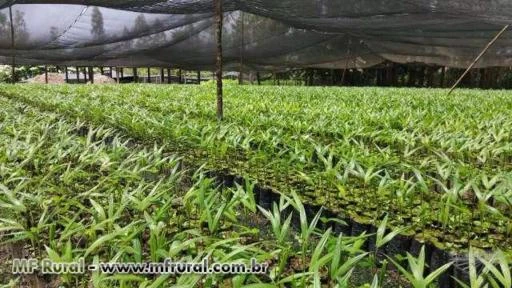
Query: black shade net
point(258, 34)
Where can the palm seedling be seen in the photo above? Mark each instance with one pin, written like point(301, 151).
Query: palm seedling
point(344, 259)
point(499, 269)
point(212, 205)
point(381, 239)
point(476, 280)
point(281, 231)
point(280, 228)
point(416, 272)
point(306, 228)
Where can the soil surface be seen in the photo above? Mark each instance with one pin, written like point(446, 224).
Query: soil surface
point(56, 78)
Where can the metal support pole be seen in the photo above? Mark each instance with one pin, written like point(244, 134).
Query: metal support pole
point(13, 45)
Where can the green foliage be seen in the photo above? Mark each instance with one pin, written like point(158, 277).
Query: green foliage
point(416, 271)
point(400, 148)
point(438, 163)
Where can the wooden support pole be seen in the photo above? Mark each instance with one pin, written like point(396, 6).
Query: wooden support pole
point(77, 74)
point(481, 83)
point(219, 24)
point(111, 72)
point(118, 79)
point(180, 76)
point(242, 48)
point(91, 74)
point(13, 71)
point(199, 77)
point(258, 78)
point(162, 76)
point(478, 58)
point(443, 76)
point(135, 75)
point(169, 75)
point(149, 75)
point(13, 45)
point(346, 65)
point(67, 73)
point(46, 74)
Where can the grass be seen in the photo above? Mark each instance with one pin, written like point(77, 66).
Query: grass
point(434, 166)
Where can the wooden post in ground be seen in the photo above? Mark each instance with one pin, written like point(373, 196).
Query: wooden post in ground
point(443, 76)
point(66, 72)
point(346, 64)
point(135, 75)
point(13, 45)
point(180, 76)
point(111, 72)
point(411, 72)
point(46, 74)
point(258, 78)
point(481, 73)
point(162, 76)
point(219, 18)
point(91, 74)
point(13, 72)
point(169, 75)
point(479, 57)
point(77, 75)
point(149, 75)
point(118, 79)
point(242, 48)
point(199, 77)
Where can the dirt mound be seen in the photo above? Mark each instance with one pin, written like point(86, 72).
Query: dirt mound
point(102, 79)
point(53, 78)
point(56, 78)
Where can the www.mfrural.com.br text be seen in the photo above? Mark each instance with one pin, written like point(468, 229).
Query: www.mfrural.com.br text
point(46, 266)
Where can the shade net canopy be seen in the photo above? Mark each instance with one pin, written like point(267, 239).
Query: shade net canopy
point(258, 34)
